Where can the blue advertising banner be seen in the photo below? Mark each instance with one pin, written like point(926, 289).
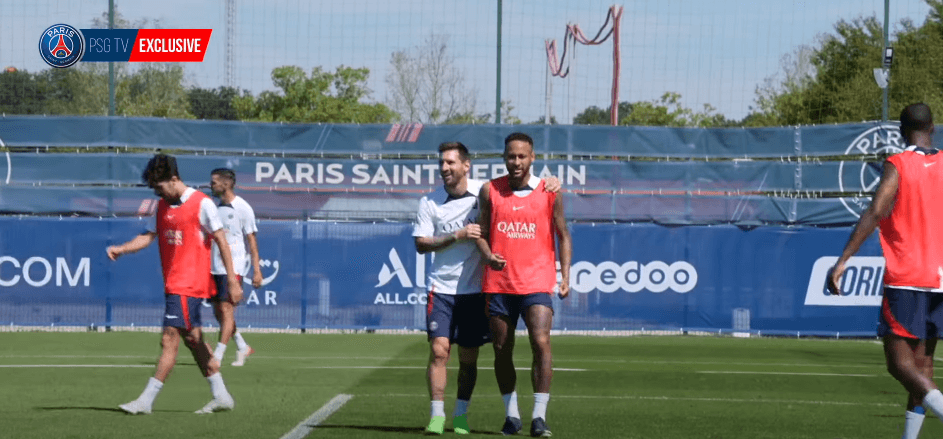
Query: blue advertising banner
point(366, 275)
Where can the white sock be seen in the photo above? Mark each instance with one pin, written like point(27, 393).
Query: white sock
point(217, 386)
point(461, 407)
point(437, 409)
point(219, 352)
point(540, 405)
point(934, 402)
point(151, 390)
point(240, 342)
point(912, 423)
point(510, 405)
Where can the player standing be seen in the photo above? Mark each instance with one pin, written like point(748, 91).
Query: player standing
point(185, 224)
point(519, 222)
point(239, 222)
point(906, 206)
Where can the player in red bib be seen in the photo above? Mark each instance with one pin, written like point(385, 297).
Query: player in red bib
point(186, 223)
point(907, 207)
point(519, 220)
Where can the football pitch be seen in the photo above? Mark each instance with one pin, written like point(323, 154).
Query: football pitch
point(68, 385)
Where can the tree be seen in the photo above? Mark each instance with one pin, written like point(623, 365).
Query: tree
point(153, 90)
point(20, 93)
point(839, 86)
point(322, 97)
point(213, 104)
point(594, 115)
point(426, 86)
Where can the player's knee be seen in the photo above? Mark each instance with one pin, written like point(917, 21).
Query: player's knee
point(192, 341)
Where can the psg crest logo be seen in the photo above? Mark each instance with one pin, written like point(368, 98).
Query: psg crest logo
point(61, 46)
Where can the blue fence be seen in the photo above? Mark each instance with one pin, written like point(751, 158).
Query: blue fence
point(817, 175)
point(362, 275)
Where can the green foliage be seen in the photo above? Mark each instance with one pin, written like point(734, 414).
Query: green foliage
point(594, 115)
point(321, 97)
point(213, 104)
point(838, 85)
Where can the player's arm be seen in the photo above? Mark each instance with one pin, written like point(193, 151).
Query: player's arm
point(424, 232)
point(880, 208)
point(135, 245)
point(253, 245)
point(552, 184)
point(496, 261)
point(565, 243)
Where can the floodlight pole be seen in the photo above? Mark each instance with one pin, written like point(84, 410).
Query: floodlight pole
point(497, 99)
point(111, 65)
point(887, 8)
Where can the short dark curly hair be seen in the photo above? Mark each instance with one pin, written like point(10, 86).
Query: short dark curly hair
point(160, 168)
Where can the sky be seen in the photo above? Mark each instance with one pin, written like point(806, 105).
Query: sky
point(710, 52)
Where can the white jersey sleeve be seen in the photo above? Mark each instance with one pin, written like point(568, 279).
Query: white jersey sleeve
point(209, 216)
point(424, 226)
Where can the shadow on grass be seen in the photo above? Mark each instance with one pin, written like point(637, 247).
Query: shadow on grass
point(102, 409)
point(389, 429)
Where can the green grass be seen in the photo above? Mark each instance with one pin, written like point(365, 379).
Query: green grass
point(635, 387)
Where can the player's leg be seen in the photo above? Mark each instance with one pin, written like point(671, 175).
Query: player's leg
point(906, 319)
point(438, 328)
point(243, 350)
point(503, 314)
point(538, 315)
point(913, 418)
point(193, 339)
point(223, 310)
point(169, 344)
point(471, 325)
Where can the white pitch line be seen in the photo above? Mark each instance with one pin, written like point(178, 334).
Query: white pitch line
point(673, 398)
point(745, 372)
point(556, 369)
point(304, 428)
point(72, 365)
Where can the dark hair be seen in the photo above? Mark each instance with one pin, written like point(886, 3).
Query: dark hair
point(518, 136)
point(160, 168)
point(458, 146)
point(225, 173)
point(914, 118)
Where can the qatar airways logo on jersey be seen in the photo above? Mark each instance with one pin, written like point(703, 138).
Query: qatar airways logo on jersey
point(518, 230)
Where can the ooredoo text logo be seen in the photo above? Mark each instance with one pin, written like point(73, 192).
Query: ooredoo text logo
point(61, 45)
point(864, 176)
point(632, 277)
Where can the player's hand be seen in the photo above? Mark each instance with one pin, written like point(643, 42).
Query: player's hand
point(552, 184)
point(235, 290)
point(256, 279)
point(114, 252)
point(471, 231)
point(564, 288)
point(834, 279)
point(497, 262)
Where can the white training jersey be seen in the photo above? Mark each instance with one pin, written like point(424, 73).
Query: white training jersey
point(239, 221)
point(456, 269)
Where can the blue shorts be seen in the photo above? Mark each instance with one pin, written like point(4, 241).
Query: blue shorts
point(911, 314)
point(513, 306)
point(182, 312)
point(461, 318)
point(222, 288)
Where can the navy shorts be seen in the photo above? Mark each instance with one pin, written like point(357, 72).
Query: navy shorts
point(911, 314)
point(222, 288)
point(461, 318)
point(513, 306)
point(182, 312)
